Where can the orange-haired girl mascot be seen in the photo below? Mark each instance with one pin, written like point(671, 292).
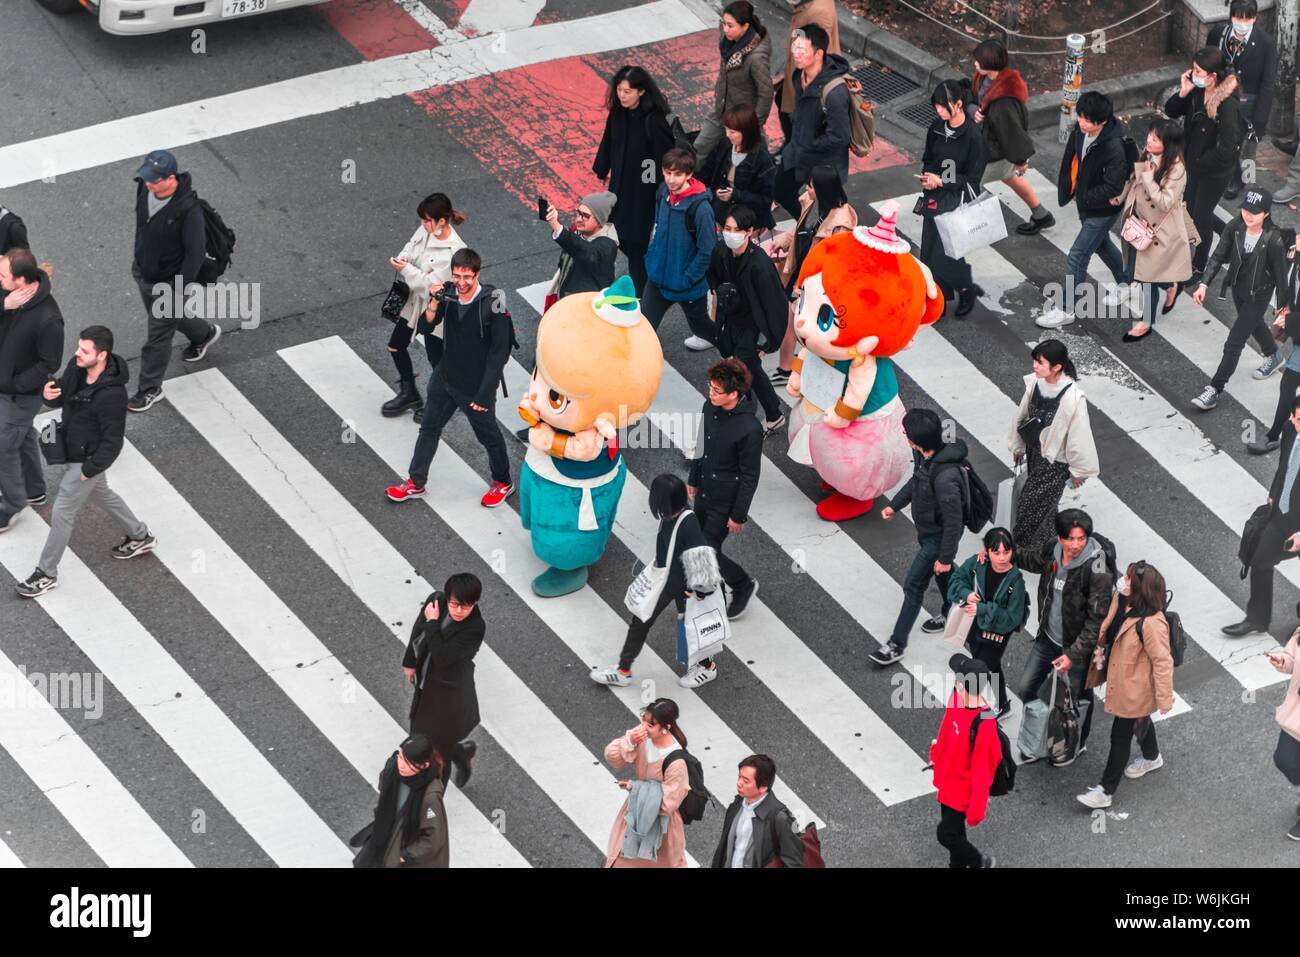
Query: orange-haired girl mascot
point(862, 297)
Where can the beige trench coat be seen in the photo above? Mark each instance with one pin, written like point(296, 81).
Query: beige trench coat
point(1160, 205)
point(621, 752)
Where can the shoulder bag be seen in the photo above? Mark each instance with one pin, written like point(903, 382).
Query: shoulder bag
point(643, 594)
point(1136, 231)
point(395, 301)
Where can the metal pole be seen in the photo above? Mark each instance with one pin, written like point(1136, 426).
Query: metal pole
point(1288, 34)
point(1073, 81)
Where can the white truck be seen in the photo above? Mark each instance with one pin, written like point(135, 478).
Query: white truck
point(129, 17)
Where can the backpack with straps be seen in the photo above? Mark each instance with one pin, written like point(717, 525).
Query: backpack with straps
point(425, 327)
point(697, 798)
point(1004, 775)
point(218, 238)
point(862, 119)
point(977, 502)
point(1177, 637)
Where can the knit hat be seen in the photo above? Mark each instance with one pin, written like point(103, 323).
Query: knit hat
point(884, 236)
point(601, 205)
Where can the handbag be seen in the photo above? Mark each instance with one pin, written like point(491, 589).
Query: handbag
point(972, 225)
point(959, 622)
point(1037, 422)
point(395, 301)
point(1136, 231)
point(1009, 490)
point(53, 441)
point(703, 629)
point(643, 594)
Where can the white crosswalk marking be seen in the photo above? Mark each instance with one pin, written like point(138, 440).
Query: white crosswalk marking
point(492, 16)
point(274, 637)
point(67, 771)
point(373, 569)
point(182, 714)
point(588, 626)
point(8, 858)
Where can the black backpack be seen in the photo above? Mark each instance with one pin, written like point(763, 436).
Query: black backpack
point(1004, 777)
point(697, 798)
point(218, 240)
point(681, 139)
point(1177, 637)
point(977, 503)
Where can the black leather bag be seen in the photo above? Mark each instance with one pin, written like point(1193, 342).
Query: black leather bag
point(53, 443)
point(395, 301)
point(1250, 537)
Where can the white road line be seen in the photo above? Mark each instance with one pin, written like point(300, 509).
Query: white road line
point(88, 795)
point(591, 629)
point(276, 639)
point(376, 572)
point(430, 21)
point(1185, 328)
point(815, 694)
point(330, 90)
point(180, 711)
point(494, 16)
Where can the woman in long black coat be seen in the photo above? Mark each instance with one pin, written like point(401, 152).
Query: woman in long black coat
point(439, 661)
point(636, 137)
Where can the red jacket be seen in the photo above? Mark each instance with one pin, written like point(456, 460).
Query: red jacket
point(963, 777)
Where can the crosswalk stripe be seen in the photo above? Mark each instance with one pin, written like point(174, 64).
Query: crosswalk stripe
point(340, 88)
point(815, 694)
point(8, 858)
point(488, 16)
point(276, 639)
point(174, 705)
point(430, 21)
point(589, 627)
point(79, 786)
point(531, 734)
point(1185, 328)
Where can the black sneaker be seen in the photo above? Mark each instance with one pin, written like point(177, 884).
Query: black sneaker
point(38, 500)
point(194, 353)
point(131, 547)
point(1035, 226)
point(38, 583)
point(522, 435)
point(934, 625)
point(740, 599)
point(887, 654)
point(143, 400)
point(463, 769)
point(779, 376)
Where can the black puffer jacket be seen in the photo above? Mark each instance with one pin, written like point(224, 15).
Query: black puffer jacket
point(31, 342)
point(753, 186)
point(1257, 275)
point(731, 443)
point(934, 493)
point(94, 416)
point(1213, 128)
point(1085, 597)
point(1102, 172)
point(819, 137)
point(172, 241)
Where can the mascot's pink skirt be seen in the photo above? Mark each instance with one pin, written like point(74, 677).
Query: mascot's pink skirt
point(862, 461)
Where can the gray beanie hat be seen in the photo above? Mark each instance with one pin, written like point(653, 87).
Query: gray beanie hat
point(601, 205)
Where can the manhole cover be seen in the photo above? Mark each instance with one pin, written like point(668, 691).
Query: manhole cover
point(880, 85)
point(919, 114)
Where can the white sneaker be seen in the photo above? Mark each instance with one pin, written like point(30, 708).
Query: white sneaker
point(698, 676)
point(1119, 294)
point(610, 676)
point(1140, 766)
point(1054, 318)
point(1095, 797)
point(696, 344)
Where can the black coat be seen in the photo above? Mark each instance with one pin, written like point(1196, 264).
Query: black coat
point(172, 242)
point(590, 263)
point(445, 706)
point(1102, 172)
point(771, 818)
point(934, 493)
point(31, 342)
point(819, 137)
point(94, 416)
point(726, 473)
point(476, 345)
point(1085, 599)
point(754, 184)
point(1266, 271)
point(762, 301)
point(13, 233)
point(958, 158)
point(631, 138)
point(1211, 144)
point(1256, 68)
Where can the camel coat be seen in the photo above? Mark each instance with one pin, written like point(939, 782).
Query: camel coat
point(1140, 677)
point(621, 752)
point(1169, 257)
point(822, 13)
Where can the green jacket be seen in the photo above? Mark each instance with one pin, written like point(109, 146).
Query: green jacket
point(1002, 613)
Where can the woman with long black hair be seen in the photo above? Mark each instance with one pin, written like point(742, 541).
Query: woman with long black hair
point(952, 167)
point(644, 748)
point(1052, 430)
point(633, 145)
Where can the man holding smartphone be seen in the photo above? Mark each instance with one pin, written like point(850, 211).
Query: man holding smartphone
point(1280, 538)
point(588, 251)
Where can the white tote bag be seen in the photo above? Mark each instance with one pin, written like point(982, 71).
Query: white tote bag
point(959, 622)
point(972, 225)
point(643, 594)
point(705, 626)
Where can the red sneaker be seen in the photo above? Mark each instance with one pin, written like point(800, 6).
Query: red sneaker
point(407, 490)
point(497, 494)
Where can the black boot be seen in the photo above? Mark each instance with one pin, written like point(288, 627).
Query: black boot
point(462, 758)
point(407, 398)
point(966, 300)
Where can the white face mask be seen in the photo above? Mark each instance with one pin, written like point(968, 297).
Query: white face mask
point(1241, 29)
point(734, 240)
point(1198, 81)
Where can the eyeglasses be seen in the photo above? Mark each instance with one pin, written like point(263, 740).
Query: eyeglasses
point(583, 214)
point(453, 603)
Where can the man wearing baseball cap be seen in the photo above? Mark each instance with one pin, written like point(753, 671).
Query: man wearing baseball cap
point(169, 243)
point(1253, 247)
point(963, 773)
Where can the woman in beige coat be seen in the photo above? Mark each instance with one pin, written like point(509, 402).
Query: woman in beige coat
point(822, 13)
point(1134, 660)
point(744, 76)
point(1154, 193)
point(645, 747)
point(1287, 755)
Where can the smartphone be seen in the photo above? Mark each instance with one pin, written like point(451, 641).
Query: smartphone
point(543, 207)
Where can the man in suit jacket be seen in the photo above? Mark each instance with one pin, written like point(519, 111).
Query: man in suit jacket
point(1280, 538)
point(754, 819)
point(1252, 54)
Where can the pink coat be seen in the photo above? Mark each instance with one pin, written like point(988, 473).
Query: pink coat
point(1288, 712)
point(621, 752)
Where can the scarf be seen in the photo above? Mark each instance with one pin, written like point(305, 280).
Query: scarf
point(372, 854)
point(733, 51)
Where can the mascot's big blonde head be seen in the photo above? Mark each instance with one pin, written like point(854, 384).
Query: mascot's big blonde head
point(862, 286)
point(598, 363)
